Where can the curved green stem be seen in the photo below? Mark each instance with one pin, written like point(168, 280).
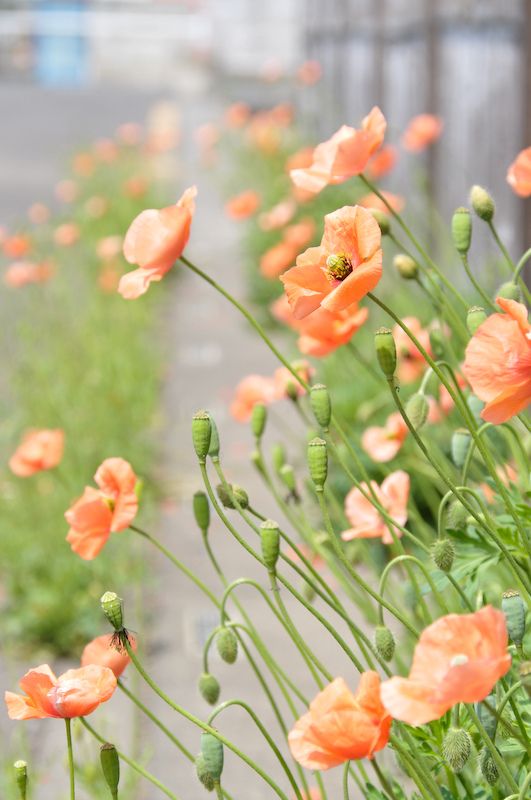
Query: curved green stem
point(420, 565)
point(71, 770)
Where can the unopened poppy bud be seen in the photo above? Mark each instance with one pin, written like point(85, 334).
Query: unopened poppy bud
point(212, 752)
point(112, 607)
point(443, 554)
point(318, 462)
point(385, 351)
point(475, 317)
point(460, 443)
point(270, 536)
point(21, 777)
point(482, 203)
point(487, 718)
point(227, 645)
point(524, 671)
point(203, 773)
point(209, 688)
point(488, 767)
point(287, 475)
point(231, 494)
point(278, 456)
point(456, 748)
point(510, 291)
point(382, 219)
point(384, 642)
point(110, 765)
point(456, 516)
point(201, 433)
point(437, 343)
point(462, 230)
point(213, 448)
point(258, 420)
point(406, 266)
point(321, 405)
point(417, 409)
point(201, 511)
point(476, 406)
point(514, 609)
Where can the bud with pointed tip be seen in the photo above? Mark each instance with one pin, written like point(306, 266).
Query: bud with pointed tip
point(203, 773)
point(227, 645)
point(201, 434)
point(488, 767)
point(270, 540)
point(460, 444)
point(112, 607)
point(258, 420)
point(456, 748)
point(231, 494)
point(382, 219)
point(482, 203)
point(318, 462)
point(510, 291)
point(475, 317)
point(417, 409)
point(514, 609)
point(384, 642)
point(110, 765)
point(385, 351)
point(406, 266)
point(443, 554)
point(209, 688)
point(462, 230)
point(321, 405)
point(212, 752)
point(21, 777)
point(201, 511)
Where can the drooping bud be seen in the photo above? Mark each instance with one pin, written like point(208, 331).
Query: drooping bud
point(112, 607)
point(258, 420)
point(278, 456)
point(231, 494)
point(212, 752)
point(460, 443)
point(417, 409)
point(462, 230)
point(385, 351)
point(321, 405)
point(443, 554)
point(456, 515)
point(488, 767)
point(21, 778)
point(287, 475)
point(382, 219)
point(110, 765)
point(203, 773)
point(524, 671)
point(209, 688)
point(514, 609)
point(384, 642)
point(201, 433)
point(510, 291)
point(456, 748)
point(406, 266)
point(318, 462)
point(437, 343)
point(214, 446)
point(227, 645)
point(486, 716)
point(475, 317)
point(270, 539)
point(482, 203)
point(201, 511)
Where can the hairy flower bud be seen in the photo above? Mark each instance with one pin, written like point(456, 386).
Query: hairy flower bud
point(203, 773)
point(384, 642)
point(201, 433)
point(231, 494)
point(443, 554)
point(209, 688)
point(510, 291)
point(112, 607)
point(212, 752)
point(385, 351)
point(406, 266)
point(21, 778)
point(482, 203)
point(462, 230)
point(258, 420)
point(460, 443)
point(227, 645)
point(110, 765)
point(475, 317)
point(321, 405)
point(201, 510)
point(488, 767)
point(514, 609)
point(382, 219)
point(270, 540)
point(417, 409)
point(456, 515)
point(318, 462)
point(456, 748)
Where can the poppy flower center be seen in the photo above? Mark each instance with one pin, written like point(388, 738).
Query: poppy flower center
point(338, 266)
point(458, 660)
point(109, 502)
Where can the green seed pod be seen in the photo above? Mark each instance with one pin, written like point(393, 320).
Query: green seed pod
point(443, 554)
point(258, 420)
point(318, 462)
point(270, 536)
point(475, 317)
point(203, 773)
point(460, 444)
point(406, 266)
point(21, 778)
point(209, 688)
point(382, 219)
point(385, 351)
point(510, 291)
point(417, 409)
point(488, 767)
point(214, 446)
point(212, 751)
point(482, 203)
point(110, 765)
point(234, 493)
point(462, 230)
point(227, 645)
point(486, 717)
point(287, 476)
point(456, 748)
point(514, 609)
point(384, 642)
point(524, 670)
point(278, 456)
point(201, 510)
point(456, 516)
point(437, 343)
point(201, 433)
point(321, 405)
point(112, 607)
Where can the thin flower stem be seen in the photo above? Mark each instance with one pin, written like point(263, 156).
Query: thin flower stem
point(346, 795)
point(386, 786)
point(383, 580)
point(479, 289)
point(418, 773)
point(487, 741)
point(503, 249)
point(68, 725)
point(521, 264)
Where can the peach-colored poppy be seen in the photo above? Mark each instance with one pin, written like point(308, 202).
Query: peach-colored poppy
point(129, 133)
point(278, 216)
point(38, 450)
point(316, 560)
point(237, 115)
point(136, 186)
point(252, 390)
point(99, 512)
point(313, 794)
point(309, 72)
point(498, 362)
point(83, 164)
point(105, 150)
point(382, 162)
point(109, 247)
point(38, 213)
point(66, 235)
point(396, 202)
point(422, 131)
point(66, 190)
point(102, 651)
point(16, 246)
point(300, 233)
point(324, 331)
point(243, 205)
point(341, 726)
point(109, 277)
point(519, 173)
point(411, 363)
point(301, 159)
point(366, 521)
point(338, 273)
point(344, 155)
point(277, 259)
point(286, 384)
point(75, 693)
point(21, 273)
point(458, 659)
point(383, 443)
point(154, 241)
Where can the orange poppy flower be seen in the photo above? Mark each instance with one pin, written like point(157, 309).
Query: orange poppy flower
point(341, 726)
point(75, 693)
point(109, 277)
point(383, 443)
point(16, 246)
point(237, 115)
point(99, 512)
point(411, 363)
point(309, 72)
point(301, 159)
point(38, 213)
point(105, 150)
point(154, 241)
point(422, 131)
point(243, 205)
point(252, 390)
point(135, 186)
point(83, 164)
point(109, 247)
point(396, 202)
point(129, 133)
point(278, 216)
point(66, 190)
point(346, 265)
point(519, 173)
point(498, 362)
point(102, 652)
point(382, 162)
point(39, 450)
point(458, 659)
point(300, 233)
point(342, 156)
point(66, 235)
point(20, 273)
point(285, 382)
point(324, 331)
point(277, 259)
point(366, 521)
